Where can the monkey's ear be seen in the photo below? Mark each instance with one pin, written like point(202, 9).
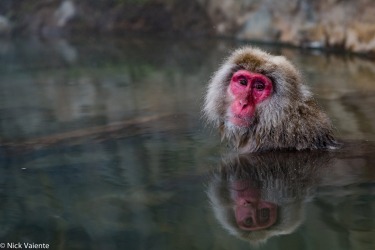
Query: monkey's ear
point(214, 103)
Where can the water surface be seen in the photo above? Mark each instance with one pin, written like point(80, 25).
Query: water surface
point(102, 146)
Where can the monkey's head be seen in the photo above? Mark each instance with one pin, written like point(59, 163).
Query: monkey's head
point(259, 103)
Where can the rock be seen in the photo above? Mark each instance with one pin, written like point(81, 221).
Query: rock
point(360, 37)
point(146, 16)
point(335, 24)
point(258, 26)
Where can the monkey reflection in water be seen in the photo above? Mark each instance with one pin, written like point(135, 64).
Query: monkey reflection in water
point(258, 196)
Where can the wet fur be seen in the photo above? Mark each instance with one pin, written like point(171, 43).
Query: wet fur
point(288, 119)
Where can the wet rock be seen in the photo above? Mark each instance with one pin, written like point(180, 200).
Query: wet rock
point(348, 25)
point(334, 24)
point(43, 18)
point(360, 37)
point(258, 26)
point(147, 16)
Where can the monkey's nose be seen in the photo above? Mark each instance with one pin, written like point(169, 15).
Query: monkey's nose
point(243, 103)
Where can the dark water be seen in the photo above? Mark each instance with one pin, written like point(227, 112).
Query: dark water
point(102, 146)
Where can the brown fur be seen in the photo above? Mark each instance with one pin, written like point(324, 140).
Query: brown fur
point(288, 119)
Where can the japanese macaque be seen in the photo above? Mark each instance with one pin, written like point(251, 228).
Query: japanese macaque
point(259, 103)
point(257, 196)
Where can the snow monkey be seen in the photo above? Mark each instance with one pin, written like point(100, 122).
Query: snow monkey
point(259, 103)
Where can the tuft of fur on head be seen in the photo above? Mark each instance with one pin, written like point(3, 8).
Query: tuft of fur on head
point(288, 119)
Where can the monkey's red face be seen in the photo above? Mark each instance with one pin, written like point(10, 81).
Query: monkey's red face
point(247, 90)
point(250, 210)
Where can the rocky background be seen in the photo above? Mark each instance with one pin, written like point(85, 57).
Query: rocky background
point(333, 24)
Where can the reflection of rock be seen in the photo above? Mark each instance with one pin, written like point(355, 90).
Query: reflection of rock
point(346, 198)
point(10, 212)
point(5, 26)
point(65, 50)
point(344, 87)
point(357, 110)
point(111, 80)
point(95, 84)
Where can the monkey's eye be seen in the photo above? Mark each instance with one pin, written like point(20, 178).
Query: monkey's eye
point(264, 215)
point(243, 81)
point(248, 222)
point(259, 86)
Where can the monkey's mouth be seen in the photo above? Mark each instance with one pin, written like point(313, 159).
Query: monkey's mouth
point(241, 121)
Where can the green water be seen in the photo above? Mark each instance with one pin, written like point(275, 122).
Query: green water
point(102, 146)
